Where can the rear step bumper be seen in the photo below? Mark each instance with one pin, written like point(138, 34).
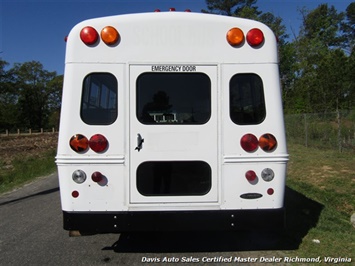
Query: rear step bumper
point(135, 221)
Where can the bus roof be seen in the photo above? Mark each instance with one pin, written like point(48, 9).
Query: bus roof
point(176, 37)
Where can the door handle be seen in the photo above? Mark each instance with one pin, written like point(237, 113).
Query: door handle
point(140, 141)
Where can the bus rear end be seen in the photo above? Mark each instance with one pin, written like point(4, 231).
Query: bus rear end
point(171, 121)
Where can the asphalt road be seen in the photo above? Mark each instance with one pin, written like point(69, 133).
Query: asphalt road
point(31, 234)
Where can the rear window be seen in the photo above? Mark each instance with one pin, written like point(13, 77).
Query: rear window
point(173, 98)
point(247, 104)
point(174, 178)
point(99, 99)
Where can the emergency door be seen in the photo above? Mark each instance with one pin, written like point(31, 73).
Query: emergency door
point(173, 134)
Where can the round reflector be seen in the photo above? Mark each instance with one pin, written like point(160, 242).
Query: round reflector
point(98, 143)
point(255, 37)
point(235, 36)
point(109, 35)
point(97, 177)
point(267, 174)
point(249, 142)
point(250, 175)
point(75, 194)
point(267, 142)
point(187, 10)
point(270, 191)
point(89, 35)
point(79, 176)
point(172, 9)
point(79, 143)
point(157, 10)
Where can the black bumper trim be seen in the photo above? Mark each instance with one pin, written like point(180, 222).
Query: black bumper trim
point(133, 221)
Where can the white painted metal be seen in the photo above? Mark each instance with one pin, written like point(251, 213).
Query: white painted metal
point(170, 38)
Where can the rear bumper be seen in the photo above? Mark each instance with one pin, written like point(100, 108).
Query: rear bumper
point(133, 221)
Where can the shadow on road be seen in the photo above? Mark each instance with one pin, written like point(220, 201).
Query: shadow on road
point(45, 192)
point(302, 214)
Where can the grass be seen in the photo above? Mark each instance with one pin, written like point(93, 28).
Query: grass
point(322, 183)
point(26, 169)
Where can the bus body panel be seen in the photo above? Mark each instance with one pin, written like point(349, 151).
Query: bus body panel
point(174, 37)
point(175, 157)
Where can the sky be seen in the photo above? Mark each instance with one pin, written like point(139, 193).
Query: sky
point(34, 30)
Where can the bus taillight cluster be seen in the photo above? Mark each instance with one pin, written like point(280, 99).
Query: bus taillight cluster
point(79, 143)
point(267, 142)
point(236, 37)
point(108, 34)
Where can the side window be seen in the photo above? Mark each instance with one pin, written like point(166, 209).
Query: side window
point(246, 99)
point(99, 99)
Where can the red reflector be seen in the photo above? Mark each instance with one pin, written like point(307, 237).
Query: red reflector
point(75, 194)
point(97, 177)
point(89, 35)
point(157, 10)
point(79, 143)
point(98, 143)
point(267, 142)
point(249, 142)
point(172, 9)
point(270, 191)
point(187, 10)
point(255, 37)
point(250, 175)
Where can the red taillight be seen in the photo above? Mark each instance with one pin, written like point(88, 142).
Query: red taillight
point(98, 143)
point(250, 175)
point(255, 37)
point(249, 142)
point(267, 142)
point(79, 143)
point(89, 35)
point(97, 177)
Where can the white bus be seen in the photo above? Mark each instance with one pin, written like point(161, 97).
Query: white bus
point(171, 121)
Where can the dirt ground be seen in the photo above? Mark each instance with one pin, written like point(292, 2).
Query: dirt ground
point(24, 146)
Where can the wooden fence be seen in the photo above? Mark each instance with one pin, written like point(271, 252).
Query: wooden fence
point(27, 132)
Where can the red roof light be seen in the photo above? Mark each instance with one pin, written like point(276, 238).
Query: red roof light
point(89, 35)
point(255, 37)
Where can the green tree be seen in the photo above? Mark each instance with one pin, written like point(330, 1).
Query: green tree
point(348, 27)
point(241, 8)
point(8, 98)
point(321, 61)
point(33, 85)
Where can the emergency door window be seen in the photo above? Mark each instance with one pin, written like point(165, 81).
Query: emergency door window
point(99, 99)
point(173, 98)
point(246, 98)
point(174, 178)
